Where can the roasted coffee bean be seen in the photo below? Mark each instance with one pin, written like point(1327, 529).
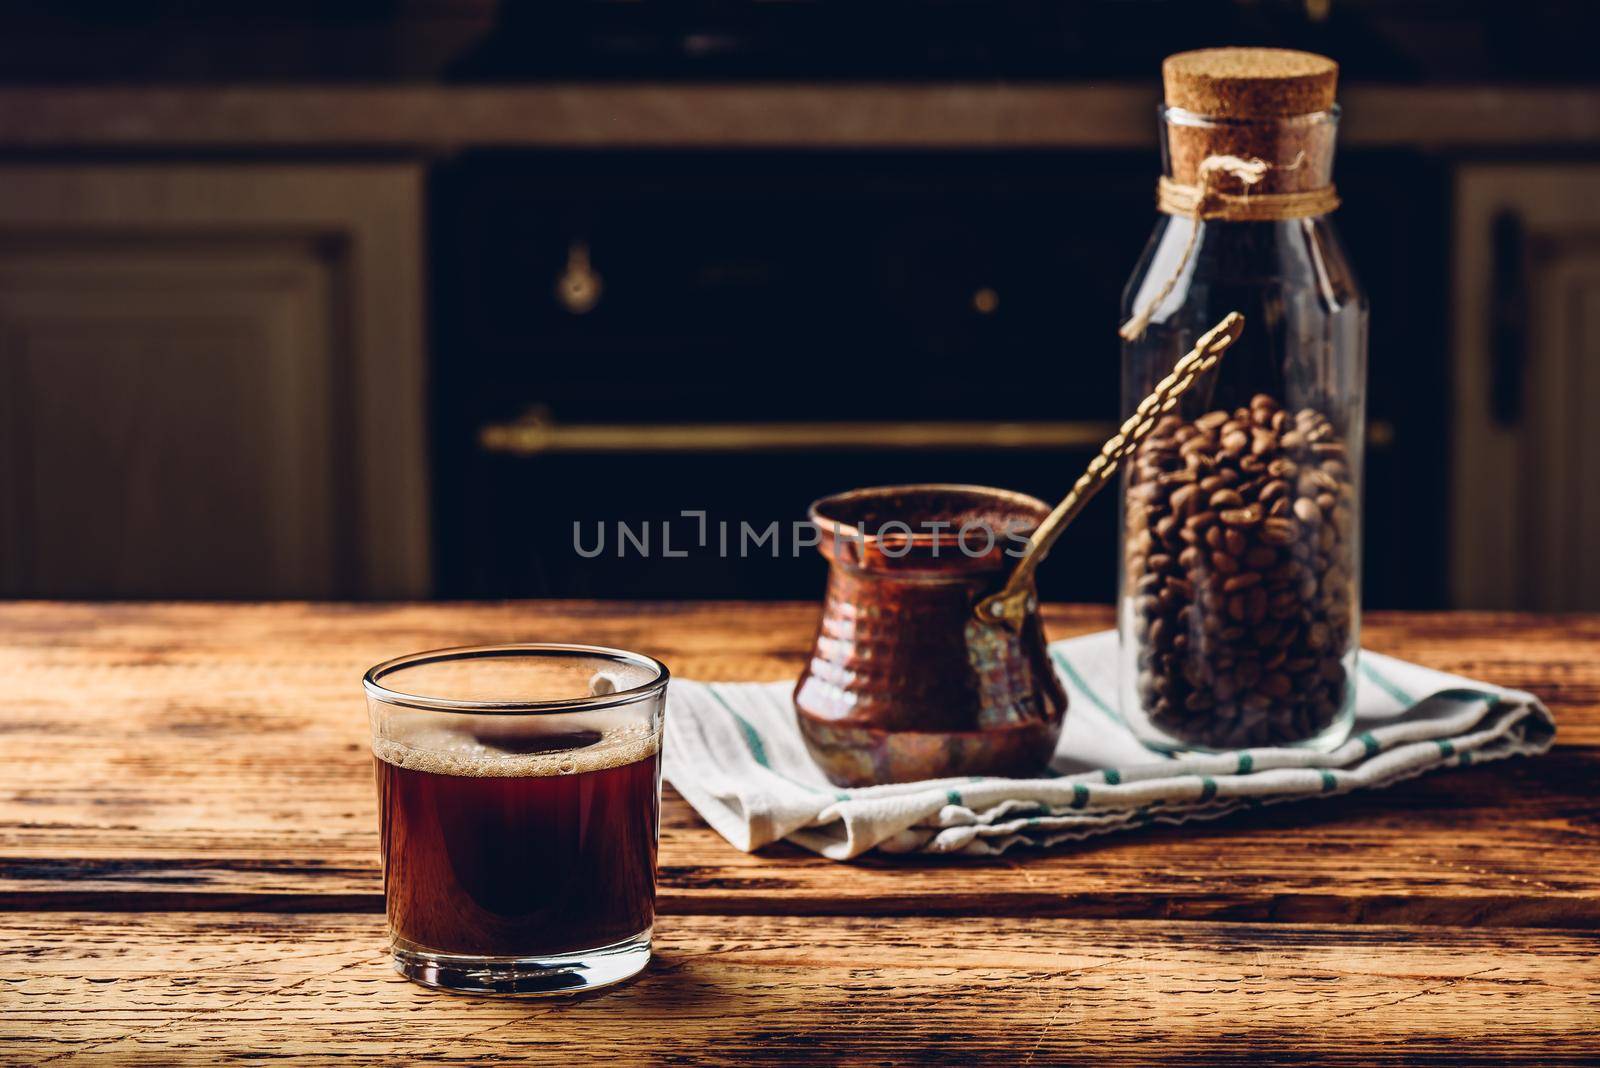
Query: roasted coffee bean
point(1255, 604)
point(1279, 530)
point(1226, 498)
point(1160, 632)
point(1262, 556)
point(1241, 582)
point(1183, 499)
point(1238, 547)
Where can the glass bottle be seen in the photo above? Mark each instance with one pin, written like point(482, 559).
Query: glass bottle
point(1239, 588)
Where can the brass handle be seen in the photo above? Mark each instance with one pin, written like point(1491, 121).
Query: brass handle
point(579, 286)
point(1010, 606)
point(538, 434)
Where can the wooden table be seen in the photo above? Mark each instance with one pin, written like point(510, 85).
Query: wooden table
point(189, 873)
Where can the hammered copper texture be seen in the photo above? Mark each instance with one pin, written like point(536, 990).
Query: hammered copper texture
point(905, 683)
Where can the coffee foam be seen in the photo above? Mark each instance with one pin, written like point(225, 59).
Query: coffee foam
point(430, 746)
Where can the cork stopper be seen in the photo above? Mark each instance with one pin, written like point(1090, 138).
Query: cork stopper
point(1267, 104)
point(1250, 83)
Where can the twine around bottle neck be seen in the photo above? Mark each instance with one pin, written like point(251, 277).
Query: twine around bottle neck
point(1204, 201)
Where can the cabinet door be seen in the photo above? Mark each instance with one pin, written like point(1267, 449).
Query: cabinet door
point(210, 382)
point(1526, 484)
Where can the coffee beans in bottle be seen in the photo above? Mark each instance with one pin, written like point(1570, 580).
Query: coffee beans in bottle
point(1239, 555)
point(1239, 588)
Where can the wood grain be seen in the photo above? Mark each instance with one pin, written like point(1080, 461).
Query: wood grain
point(207, 988)
point(211, 757)
point(435, 118)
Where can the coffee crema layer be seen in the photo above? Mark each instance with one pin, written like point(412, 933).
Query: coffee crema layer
point(492, 751)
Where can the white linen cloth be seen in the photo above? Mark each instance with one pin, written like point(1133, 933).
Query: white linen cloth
point(734, 751)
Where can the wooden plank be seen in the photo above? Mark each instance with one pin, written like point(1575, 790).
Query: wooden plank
point(759, 115)
point(194, 756)
point(207, 988)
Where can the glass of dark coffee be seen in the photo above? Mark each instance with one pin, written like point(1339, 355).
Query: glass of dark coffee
point(519, 795)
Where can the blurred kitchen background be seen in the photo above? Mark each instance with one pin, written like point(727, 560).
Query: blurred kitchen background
point(375, 299)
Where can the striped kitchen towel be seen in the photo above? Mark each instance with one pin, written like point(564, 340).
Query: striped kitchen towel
point(734, 751)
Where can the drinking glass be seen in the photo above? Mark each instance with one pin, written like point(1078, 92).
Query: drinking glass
point(519, 794)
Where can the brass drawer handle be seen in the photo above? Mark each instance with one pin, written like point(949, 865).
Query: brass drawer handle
point(537, 434)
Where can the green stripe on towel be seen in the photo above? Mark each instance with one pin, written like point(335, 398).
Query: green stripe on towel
point(758, 748)
point(1078, 680)
point(1382, 683)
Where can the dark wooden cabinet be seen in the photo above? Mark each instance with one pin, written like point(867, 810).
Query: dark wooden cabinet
point(1526, 466)
point(210, 381)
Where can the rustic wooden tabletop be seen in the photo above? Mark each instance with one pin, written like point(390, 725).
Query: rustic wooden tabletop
point(189, 873)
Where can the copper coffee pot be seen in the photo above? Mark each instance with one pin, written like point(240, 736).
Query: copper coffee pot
point(930, 658)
